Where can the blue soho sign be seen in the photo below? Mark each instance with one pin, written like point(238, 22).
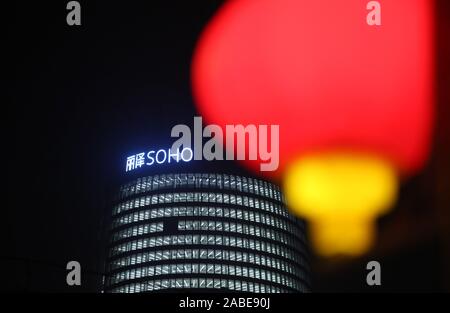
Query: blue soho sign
point(234, 137)
point(158, 157)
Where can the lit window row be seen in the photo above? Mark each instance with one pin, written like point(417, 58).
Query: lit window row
point(210, 181)
point(138, 230)
point(199, 254)
point(210, 240)
point(205, 211)
point(245, 229)
point(203, 268)
point(207, 197)
point(197, 283)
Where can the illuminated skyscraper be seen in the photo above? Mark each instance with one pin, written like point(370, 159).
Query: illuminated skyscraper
point(205, 232)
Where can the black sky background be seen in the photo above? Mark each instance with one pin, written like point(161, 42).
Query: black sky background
point(84, 97)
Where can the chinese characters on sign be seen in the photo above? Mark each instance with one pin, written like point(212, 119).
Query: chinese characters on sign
point(161, 156)
point(255, 142)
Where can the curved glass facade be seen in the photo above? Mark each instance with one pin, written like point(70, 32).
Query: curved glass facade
point(208, 232)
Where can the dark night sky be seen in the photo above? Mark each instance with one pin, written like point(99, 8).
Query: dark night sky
point(82, 98)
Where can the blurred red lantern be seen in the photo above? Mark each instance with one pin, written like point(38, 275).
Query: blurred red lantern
point(326, 77)
point(331, 81)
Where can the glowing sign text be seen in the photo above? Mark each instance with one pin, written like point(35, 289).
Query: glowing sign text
point(159, 157)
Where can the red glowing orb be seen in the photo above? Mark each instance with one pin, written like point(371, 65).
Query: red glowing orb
point(323, 74)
